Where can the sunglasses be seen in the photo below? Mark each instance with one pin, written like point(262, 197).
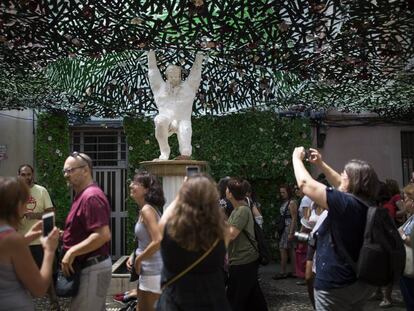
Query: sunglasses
point(76, 154)
point(71, 170)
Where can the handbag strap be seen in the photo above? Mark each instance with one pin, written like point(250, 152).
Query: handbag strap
point(250, 240)
point(286, 209)
point(247, 234)
point(186, 270)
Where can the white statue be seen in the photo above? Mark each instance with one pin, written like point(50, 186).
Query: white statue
point(174, 99)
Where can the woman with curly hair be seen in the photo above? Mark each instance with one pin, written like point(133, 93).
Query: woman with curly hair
point(147, 192)
point(194, 226)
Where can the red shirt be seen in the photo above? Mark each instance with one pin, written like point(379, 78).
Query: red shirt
point(391, 209)
point(395, 199)
point(90, 210)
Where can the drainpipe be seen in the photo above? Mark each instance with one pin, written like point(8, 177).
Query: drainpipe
point(34, 140)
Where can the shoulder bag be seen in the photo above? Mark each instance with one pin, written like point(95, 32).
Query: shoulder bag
point(134, 275)
point(261, 248)
point(281, 224)
point(67, 286)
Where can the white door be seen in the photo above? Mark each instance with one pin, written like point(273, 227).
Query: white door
point(113, 183)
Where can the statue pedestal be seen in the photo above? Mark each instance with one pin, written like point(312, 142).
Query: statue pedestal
point(172, 173)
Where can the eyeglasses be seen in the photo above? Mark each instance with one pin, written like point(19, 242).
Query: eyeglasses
point(71, 170)
point(77, 154)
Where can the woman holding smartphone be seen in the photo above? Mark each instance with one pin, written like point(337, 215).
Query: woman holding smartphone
point(147, 192)
point(18, 270)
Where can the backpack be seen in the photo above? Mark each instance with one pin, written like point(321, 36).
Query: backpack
point(382, 256)
point(262, 249)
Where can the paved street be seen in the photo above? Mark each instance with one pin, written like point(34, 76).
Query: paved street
point(281, 295)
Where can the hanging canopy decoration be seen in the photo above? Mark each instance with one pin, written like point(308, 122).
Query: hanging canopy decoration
point(89, 57)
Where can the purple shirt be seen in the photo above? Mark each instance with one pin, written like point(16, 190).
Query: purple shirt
point(90, 210)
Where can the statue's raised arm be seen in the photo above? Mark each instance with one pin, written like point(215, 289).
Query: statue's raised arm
point(154, 74)
point(194, 78)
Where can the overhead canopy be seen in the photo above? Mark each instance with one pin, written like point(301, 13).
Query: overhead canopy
point(89, 56)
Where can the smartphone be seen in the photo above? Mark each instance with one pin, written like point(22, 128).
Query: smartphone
point(48, 223)
point(307, 154)
point(192, 170)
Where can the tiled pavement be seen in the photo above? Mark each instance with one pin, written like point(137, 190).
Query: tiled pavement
point(281, 295)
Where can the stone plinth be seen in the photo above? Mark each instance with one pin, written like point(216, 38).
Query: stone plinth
point(172, 173)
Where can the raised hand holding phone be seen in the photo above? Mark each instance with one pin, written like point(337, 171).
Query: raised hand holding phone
point(48, 220)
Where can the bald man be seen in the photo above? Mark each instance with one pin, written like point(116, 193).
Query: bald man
point(87, 235)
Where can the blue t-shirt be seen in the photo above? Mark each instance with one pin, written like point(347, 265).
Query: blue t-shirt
point(408, 226)
point(347, 217)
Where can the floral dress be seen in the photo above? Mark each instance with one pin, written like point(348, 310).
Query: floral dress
point(284, 210)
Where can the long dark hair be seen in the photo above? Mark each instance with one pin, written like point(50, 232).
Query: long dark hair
point(222, 186)
point(393, 186)
point(288, 189)
point(155, 194)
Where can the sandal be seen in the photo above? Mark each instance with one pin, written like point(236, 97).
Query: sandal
point(280, 276)
point(124, 298)
point(385, 304)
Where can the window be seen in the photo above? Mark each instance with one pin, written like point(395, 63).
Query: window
point(106, 148)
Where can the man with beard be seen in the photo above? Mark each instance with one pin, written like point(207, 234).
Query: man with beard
point(39, 204)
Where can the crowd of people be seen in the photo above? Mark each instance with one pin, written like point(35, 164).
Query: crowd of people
point(200, 253)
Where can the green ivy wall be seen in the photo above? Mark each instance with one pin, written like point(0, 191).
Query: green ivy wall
point(51, 150)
